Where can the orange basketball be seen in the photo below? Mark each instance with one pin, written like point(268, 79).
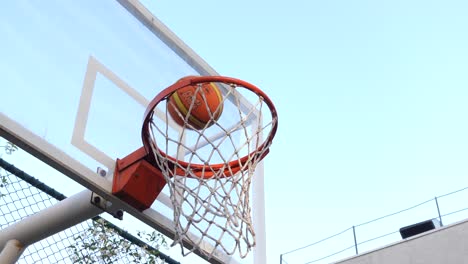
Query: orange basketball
point(204, 101)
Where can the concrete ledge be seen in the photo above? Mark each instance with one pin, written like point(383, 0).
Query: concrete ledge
point(447, 244)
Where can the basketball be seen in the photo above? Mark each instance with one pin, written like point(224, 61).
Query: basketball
point(204, 101)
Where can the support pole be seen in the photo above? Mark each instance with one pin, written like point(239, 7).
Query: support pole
point(438, 211)
point(258, 194)
point(58, 217)
point(355, 241)
point(11, 252)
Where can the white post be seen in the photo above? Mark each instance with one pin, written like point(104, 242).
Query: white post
point(62, 215)
point(258, 211)
point(11, 252)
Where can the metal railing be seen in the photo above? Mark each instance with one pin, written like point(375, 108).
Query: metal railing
point(380, 231)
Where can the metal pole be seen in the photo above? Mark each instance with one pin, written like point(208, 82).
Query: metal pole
point(438, 211)
point(60, 216)
point(355, 241)
point(11, 252)
point(281, 258)
point(258, 214)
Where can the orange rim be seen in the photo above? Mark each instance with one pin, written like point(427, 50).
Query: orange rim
point(203, 170)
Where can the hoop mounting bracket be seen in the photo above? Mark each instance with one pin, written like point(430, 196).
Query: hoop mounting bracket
point(106, 206)
point(136, 181)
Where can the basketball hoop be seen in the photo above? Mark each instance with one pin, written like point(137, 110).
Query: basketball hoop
point(207, 169)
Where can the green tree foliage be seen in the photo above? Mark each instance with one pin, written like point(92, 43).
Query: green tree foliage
point(8, 148)
point(103, 244)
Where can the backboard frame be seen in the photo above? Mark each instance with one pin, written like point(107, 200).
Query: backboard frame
point(39, 147)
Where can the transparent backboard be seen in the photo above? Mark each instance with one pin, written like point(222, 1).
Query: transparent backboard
point(76, 79)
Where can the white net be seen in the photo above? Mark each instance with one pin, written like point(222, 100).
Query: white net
point(209, 170)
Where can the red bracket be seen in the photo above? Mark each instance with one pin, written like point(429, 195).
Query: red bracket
point(136, 181)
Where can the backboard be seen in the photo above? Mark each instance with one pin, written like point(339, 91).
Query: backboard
point(76, 79)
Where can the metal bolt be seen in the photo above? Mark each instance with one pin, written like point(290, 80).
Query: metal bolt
point(102, 172)
point(97, 199)
point(119, 214)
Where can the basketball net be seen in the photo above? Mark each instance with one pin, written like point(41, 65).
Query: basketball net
point(209, 171)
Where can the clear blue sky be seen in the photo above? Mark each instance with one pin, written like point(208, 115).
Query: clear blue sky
point(372, 98)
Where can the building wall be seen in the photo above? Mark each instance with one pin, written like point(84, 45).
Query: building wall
point(448, 245)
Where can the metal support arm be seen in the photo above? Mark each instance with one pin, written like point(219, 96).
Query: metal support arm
point(62, 215)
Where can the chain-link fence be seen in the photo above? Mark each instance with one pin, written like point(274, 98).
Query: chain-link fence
point(448, 208)
point(92, 241)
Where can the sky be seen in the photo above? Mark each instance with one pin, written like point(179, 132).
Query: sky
point(371, 97)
